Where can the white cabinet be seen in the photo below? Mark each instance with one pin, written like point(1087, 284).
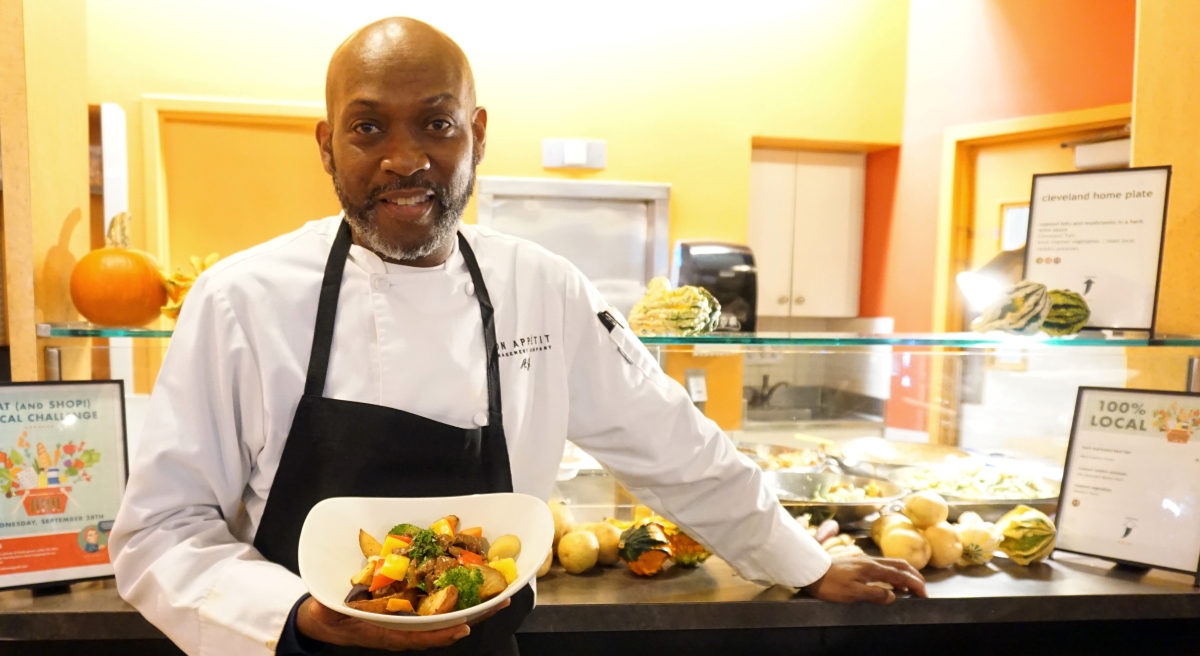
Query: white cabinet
point(806, 218)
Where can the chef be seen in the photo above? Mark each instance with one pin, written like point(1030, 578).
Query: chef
point(394, 351)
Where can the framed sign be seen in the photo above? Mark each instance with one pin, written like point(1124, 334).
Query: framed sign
point(1100, 234)
point(1131, 486)
point(62, 474)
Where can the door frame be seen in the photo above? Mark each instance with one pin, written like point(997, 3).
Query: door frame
point(954, 230)
point(957, 190)
point(158, 108)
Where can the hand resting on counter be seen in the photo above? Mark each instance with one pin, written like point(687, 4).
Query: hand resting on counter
point(848, 580)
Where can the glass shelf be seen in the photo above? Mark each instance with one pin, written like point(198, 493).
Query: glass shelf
point(959, 340)
point(83, 329)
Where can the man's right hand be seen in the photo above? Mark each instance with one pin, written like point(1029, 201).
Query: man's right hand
point(850, 579)
point(322, 623)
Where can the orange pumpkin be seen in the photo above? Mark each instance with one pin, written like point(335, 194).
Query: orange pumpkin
point(116, 285)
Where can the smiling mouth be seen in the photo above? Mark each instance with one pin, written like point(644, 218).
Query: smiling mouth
point(406, 201)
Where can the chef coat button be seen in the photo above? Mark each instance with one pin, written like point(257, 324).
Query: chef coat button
point(480, 419)
point(470, 289)
point(381, 284)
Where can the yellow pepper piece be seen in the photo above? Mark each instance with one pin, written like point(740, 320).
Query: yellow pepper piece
point(507, 567)
point(442, 527)
point(394, 567)
point(399, 606)
point(391, 542)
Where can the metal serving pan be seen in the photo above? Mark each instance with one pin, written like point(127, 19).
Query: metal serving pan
point(989, 509)
point(877, 457)
point(766, 456)
point(797, 491)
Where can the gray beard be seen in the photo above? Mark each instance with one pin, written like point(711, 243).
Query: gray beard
point(366, 233)
point(450, 205)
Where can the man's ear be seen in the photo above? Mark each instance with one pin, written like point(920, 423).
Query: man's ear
point(325, 144)
point(479, 131)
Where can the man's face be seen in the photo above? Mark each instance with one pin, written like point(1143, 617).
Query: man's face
point(91, 536)
point(402, 144)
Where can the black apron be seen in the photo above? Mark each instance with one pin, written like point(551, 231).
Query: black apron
point(348, 449)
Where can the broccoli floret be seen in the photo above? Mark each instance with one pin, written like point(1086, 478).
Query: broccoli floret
point(467, 580)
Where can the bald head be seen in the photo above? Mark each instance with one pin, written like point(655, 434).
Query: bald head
point(395, 45)
point(402, 138)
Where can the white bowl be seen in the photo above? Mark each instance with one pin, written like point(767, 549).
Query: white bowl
point(329, 553)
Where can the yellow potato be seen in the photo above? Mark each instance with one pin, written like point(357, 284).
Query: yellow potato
point(545, 568)
point(886, 523)
point(907, 545)
point(564, 521)
point(505, 546)
point(946, 546)
point(578, 551)
point(926, 509)
point(608, 536)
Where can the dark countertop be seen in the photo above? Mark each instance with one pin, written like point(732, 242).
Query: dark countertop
point(1069, 588)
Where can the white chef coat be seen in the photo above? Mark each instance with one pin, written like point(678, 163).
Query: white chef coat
point(412, 339)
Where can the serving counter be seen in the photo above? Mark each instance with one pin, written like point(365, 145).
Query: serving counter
point(711, 604)
point(1007, 400)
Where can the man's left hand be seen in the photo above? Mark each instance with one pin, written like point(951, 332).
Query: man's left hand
point(848, 578)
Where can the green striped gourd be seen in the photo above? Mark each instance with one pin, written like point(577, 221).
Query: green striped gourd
point(1068, 313)
point(687, 310)
point(1019, 311)
point(1028, 535)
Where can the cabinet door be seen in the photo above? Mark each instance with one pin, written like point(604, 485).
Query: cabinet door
point(772, 219)
point(827, 242)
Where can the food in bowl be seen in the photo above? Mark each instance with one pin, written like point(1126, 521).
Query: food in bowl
point(846, 492)
point(977, 483)
point(432, 571)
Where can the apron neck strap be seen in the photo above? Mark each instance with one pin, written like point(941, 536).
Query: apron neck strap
point(488, 314)
point(331, 285)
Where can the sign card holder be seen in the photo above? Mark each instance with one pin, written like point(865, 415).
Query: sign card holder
point(1100, 234)
point(63, 467)
point(1131, 484)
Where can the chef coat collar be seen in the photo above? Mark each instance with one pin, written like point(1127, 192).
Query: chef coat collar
point(370, 262)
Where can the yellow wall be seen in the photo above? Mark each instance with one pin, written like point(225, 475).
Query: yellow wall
point(44, 119)
point(1166, 102)
point(677, 94)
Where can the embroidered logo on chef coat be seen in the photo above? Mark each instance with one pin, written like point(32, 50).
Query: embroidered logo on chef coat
point(524, 346)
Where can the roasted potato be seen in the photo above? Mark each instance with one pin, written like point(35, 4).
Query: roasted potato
point(493, 583)
point(438, 603)
point(505, 546)
point(365, 575)
point(369, 545)
point(370, 605)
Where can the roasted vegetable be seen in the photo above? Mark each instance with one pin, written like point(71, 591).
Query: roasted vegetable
point(466, 581)
point(405, 529)
point(440, 602)
point(369, 545)
point(360, 592)
point(493, 584)
point(507, 568)
point(505, 546)
point(645, 548)
point(445, 526)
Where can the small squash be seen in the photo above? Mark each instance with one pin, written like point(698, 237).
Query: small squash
point(117, 285)
point(645, 548)
point(686, 551)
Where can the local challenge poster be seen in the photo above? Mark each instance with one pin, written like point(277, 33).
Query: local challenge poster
point(62, 474)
